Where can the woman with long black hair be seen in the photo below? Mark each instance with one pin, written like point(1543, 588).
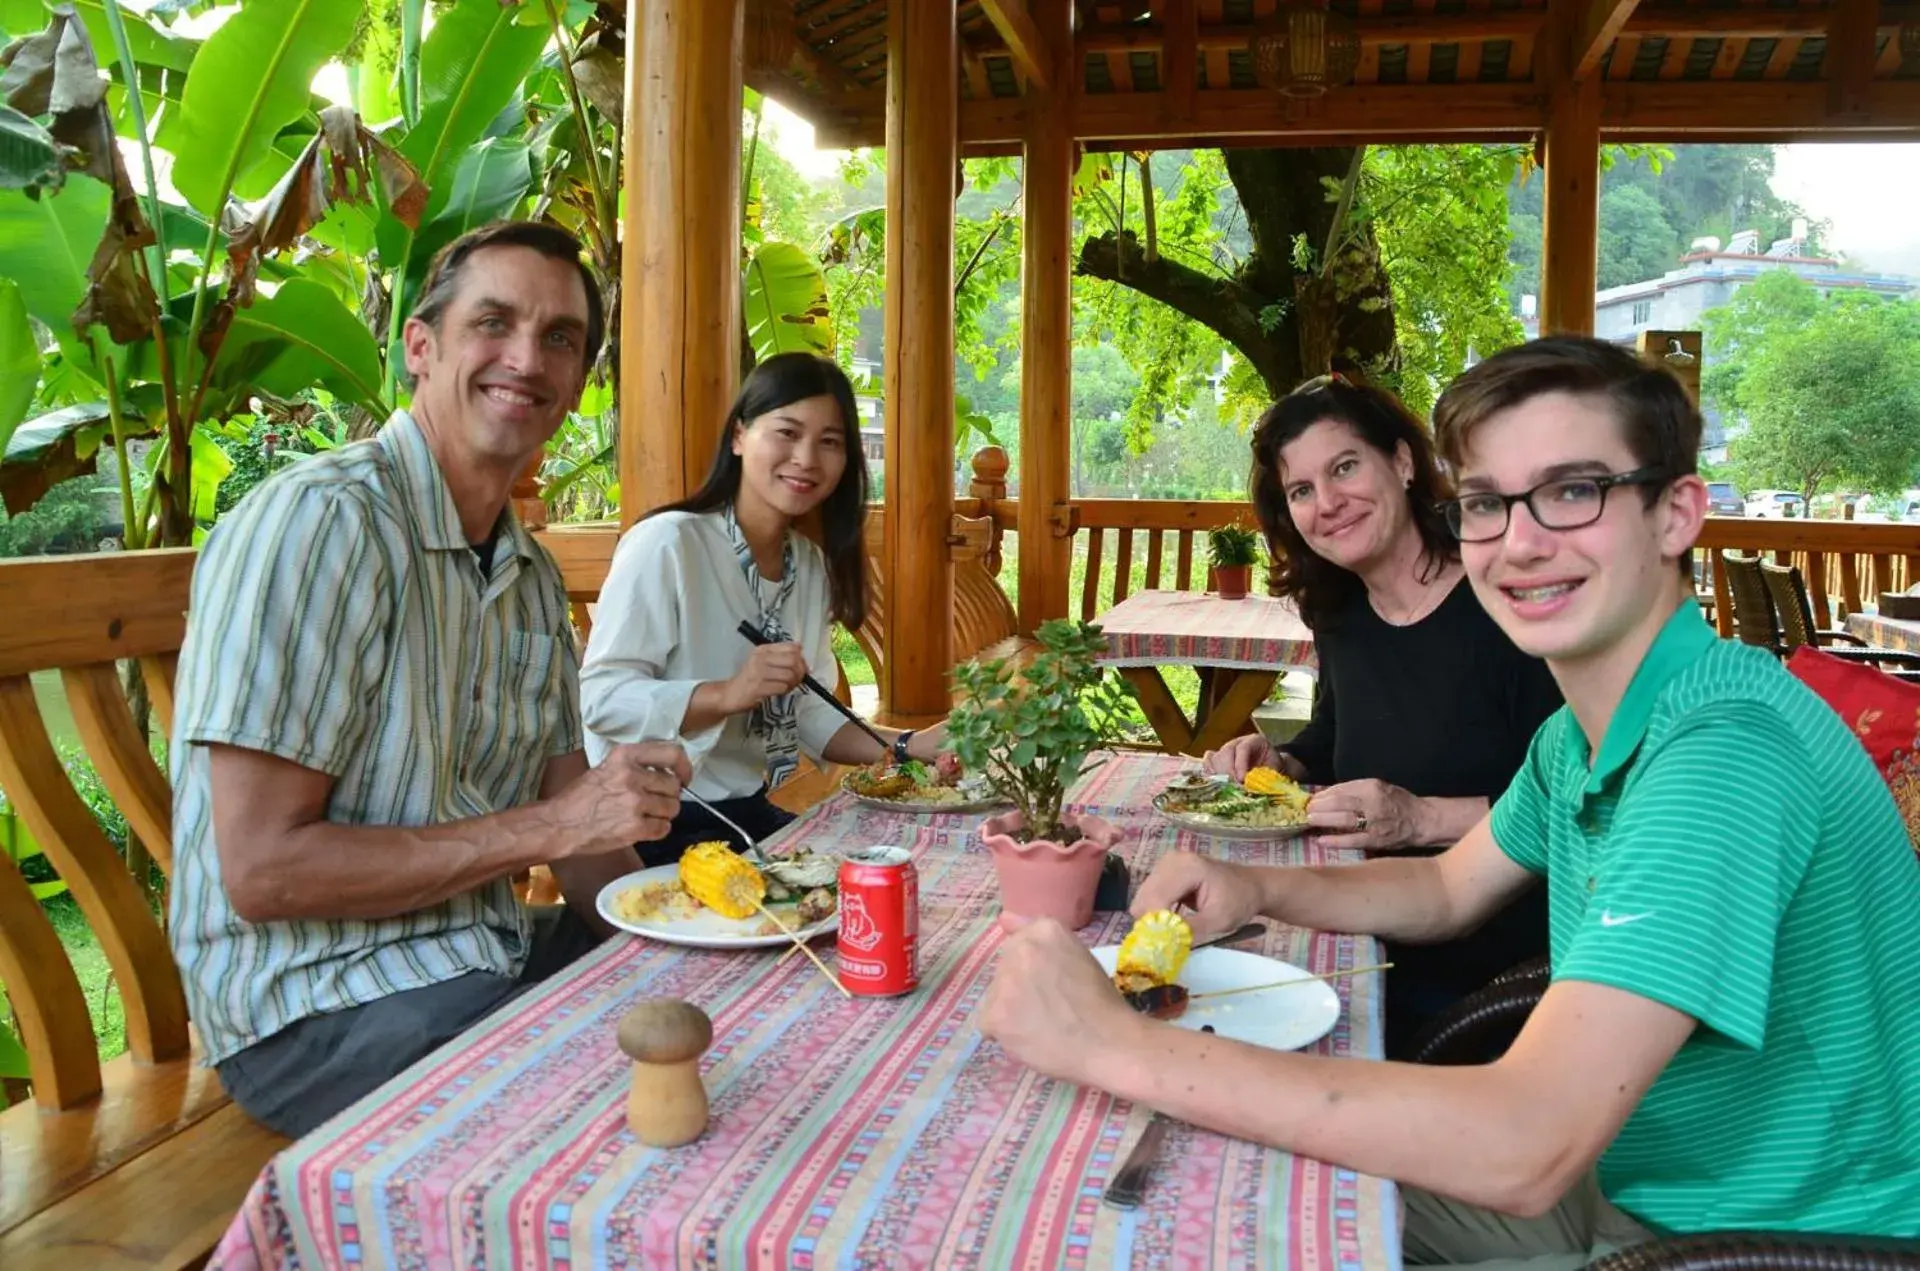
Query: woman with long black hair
point(1424, 708)
point(666, 660)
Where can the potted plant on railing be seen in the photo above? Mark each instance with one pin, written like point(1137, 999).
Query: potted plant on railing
point(1032, 731)
point(1232, 550)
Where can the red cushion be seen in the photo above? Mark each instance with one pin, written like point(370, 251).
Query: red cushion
point(1884, 713)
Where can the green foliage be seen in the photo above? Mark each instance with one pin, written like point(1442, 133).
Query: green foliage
point(1776, 303)
point(785, 303)
point(1031, 731)
point(1833, 401)
point(1440, 216)
point(249, 80)
point(66, 519)
point(1232, 545)
point(1636, 242)
point(19, 360)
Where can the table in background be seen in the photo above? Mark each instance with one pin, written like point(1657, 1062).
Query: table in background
point(1238, 646)
point(1902, 634)
point(876, 1133)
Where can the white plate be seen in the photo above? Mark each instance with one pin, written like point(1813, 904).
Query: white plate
point(1205, 823)
point(1279, 1019)
point(979, 803)
point(706, 929)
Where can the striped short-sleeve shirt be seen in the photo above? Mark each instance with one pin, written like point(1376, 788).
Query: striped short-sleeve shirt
point(1731, 852)
point(340, 620)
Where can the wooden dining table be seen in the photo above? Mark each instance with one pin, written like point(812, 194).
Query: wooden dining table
point(1239, 647)
point(882, 1133)
point(1902, 634)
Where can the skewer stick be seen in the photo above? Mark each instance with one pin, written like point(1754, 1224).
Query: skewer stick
point(801, 945)
point(1286, 984)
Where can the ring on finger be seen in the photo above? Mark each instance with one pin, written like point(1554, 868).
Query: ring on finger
point(1360, 820)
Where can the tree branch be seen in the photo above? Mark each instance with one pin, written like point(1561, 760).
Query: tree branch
point(1225, 306)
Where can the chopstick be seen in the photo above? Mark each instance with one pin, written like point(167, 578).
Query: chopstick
point(1283, 984)
point(825, 694)
point(801, 945)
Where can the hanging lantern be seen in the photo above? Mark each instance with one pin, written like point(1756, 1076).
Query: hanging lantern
point(1305, 49)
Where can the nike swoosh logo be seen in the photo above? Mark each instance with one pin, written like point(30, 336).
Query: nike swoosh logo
point(1608, 919)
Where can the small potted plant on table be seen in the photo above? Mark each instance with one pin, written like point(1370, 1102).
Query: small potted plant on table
point(1233, 550)
point(1032, 731)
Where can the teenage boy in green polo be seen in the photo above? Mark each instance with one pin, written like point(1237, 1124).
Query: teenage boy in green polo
point(1731, 1039)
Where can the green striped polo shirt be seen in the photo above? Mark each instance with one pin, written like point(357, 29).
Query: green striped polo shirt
point(339, 620)
point(1731, 852)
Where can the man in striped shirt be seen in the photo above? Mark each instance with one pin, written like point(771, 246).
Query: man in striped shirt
point(378, 720)
point(1731, 1036)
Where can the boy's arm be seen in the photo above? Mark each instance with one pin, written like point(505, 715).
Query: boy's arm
point(1513, 1135)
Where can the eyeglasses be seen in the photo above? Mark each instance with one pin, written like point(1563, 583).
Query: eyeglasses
point(1566, 504)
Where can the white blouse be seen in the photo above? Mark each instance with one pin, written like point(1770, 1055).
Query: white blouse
point(667, 622)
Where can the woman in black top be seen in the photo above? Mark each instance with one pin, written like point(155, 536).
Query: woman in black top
point(1425, 708)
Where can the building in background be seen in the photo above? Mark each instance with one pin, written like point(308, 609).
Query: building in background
point(1707, 278)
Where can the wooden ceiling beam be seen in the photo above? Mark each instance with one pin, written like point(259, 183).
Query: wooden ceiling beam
point(1512, 24)
point(1631, 110)
point(1594, 32)
point(1024, 43)
point(1852, 46)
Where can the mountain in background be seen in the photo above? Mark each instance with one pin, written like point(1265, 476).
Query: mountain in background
point(1649, 218)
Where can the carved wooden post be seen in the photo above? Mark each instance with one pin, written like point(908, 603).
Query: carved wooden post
point(1678, 353)
point(990, 487)
point(680, 270)
point(1046, 356)
point(922, 155)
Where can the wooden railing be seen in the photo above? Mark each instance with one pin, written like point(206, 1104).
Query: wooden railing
point(1158, 543)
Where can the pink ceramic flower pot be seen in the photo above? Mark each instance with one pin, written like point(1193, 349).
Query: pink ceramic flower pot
point(1042, 879)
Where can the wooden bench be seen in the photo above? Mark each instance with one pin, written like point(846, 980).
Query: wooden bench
point(142, 1161)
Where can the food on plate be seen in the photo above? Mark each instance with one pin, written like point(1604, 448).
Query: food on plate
point(914, 782)
point(807, 881)
point(719, 878)
point(1154, 952)
point(1269, 799)
point(1150, 961)
point(651, 903)
point(1196, 782)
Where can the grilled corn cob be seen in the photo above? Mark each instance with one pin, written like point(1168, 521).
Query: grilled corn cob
point(1154, 952)
point(1275, 784)
point(719, 879)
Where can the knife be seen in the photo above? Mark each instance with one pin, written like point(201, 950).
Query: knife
point(1128, 1187)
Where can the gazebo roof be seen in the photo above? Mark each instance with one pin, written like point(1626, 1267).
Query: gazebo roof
point(1429, 70)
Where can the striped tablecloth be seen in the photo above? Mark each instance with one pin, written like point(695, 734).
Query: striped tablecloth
point(1886, 633)
point(876, 1133)
point(1197, 628)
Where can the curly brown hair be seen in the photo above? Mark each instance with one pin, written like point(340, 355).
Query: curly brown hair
point(1319, 588)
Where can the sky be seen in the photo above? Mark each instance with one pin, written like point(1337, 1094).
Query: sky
point(1868, 190)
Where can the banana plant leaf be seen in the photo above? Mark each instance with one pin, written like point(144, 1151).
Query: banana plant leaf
point(19, 360)
point(786, 303)
point(44, 452)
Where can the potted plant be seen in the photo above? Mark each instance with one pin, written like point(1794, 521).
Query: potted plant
point(1031, 731)
point(1232, 551)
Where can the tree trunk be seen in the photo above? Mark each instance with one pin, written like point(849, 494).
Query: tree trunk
point(1290, 318)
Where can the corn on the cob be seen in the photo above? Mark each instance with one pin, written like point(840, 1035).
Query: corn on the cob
point(1275, 784)
point(719, 879)
point(1154, 952)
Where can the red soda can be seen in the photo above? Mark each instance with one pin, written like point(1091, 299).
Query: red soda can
point(879, 922)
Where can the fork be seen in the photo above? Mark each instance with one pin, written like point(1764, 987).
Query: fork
point(753, 844)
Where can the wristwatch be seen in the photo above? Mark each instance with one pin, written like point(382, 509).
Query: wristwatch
point(900, 746)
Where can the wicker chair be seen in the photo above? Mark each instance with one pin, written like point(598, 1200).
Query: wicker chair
point(1481, 1027)
point(1794, 610)
point(1753, 616)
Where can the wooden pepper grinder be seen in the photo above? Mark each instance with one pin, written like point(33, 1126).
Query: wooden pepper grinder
point(665, 1038)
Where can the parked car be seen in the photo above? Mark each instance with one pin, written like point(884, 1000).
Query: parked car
point(1724, 500)
point(1776, 503)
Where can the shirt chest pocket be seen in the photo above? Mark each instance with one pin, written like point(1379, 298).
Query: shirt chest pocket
point(514, 709)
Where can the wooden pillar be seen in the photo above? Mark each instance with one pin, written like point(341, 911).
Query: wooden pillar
point(1677, 353)
point(1570, 217)
point(1046, 328)
point(680, 270)
point(923, 117)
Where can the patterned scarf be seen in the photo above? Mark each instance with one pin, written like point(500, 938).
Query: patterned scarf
point(773, 721)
